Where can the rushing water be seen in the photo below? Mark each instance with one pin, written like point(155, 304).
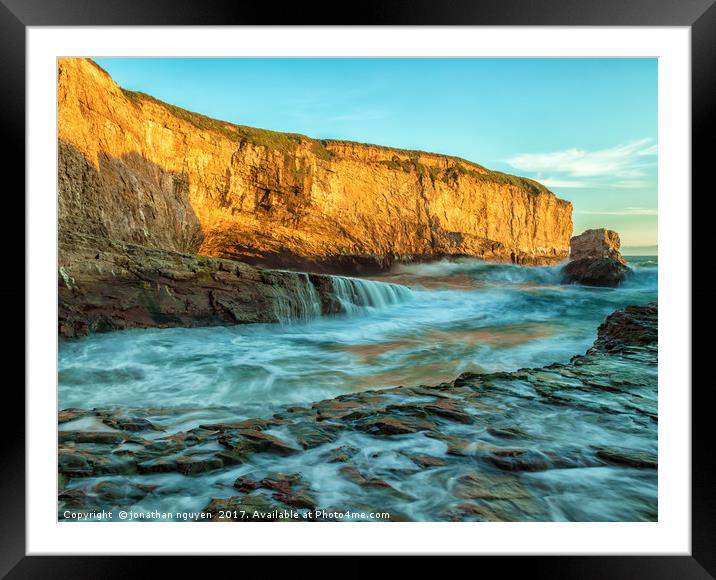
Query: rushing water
point(456, 316)
point(421, 325)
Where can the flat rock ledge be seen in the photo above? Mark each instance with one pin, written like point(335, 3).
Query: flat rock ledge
point(382, 446)
point(106, 285)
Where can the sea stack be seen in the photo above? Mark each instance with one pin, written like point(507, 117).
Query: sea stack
point(595, 260)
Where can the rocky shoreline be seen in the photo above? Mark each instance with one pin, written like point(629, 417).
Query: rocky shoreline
point(111, 285)
point(465, 441)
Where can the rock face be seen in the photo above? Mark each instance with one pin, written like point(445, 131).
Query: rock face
point(634, 326)
point(111, 285)
point(596, 244)
point(140, 171)
point(595, 259)
point(468, 440)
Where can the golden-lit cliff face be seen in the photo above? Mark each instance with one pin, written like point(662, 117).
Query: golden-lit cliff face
point(140, 171)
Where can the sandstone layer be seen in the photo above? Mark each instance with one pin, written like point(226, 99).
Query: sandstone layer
point(595, 259)
point(136, 170)
point(109, 285)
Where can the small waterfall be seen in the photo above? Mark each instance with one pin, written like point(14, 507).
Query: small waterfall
point(354, 293)
point(308, 299)
point(297, 301)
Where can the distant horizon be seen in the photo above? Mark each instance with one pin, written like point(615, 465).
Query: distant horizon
point(651, 250)
point(585, 128)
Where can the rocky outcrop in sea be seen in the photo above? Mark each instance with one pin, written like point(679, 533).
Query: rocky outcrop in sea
point(466, 450)
point(595, 259)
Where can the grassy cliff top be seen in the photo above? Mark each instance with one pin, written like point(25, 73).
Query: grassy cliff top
point(288, 142)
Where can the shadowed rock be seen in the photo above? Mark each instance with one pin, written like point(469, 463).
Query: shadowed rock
point(595, 259)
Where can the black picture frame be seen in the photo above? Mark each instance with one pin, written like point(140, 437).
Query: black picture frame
point(16, 15)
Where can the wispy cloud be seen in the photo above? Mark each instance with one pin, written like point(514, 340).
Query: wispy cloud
point(630, 184)
point(623, 211)
point(624, 166)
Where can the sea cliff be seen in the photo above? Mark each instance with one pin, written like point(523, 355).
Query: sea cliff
point(134, 169)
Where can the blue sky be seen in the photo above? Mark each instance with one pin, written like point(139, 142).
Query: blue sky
point(586, 128)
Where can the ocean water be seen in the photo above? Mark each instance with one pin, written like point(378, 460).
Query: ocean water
point(458, 316)
point(443, 318)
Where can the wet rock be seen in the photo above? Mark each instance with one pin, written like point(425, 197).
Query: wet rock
point(265, 443)
point(449, 409)
point(342, 454)
point(310, 434)
point(250, 424)
point(426, 461)
point(627, 328)
point(97, 437)
point(297, 411)
point(289, 489)
point(281, 482)
point(389, 426)
point(72, 498)
point(114, 491)
point(601, 272)
point(506, 432)
point(520, 460)
point(335, 408)
point(430, 391)
point(191, 465)
point(136, 451)
point(74, 462)
point(194, 436)
point(161, 465)
point(246, 484)
point(251, 508)
point(166, 446)
point(112, 466)
point(135, 424)
point(233, 456)
point(70, 415)
point(468, 379)
point(473, 512)
point(595, 259)
point(241, 444)
point(628, 457)
point(353, 474)
point(299, 499)
point(455, 445)
point(479, 486)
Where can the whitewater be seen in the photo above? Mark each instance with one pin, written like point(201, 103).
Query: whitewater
point(422, 324)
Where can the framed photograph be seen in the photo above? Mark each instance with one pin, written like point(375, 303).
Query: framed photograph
point(416, 285)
